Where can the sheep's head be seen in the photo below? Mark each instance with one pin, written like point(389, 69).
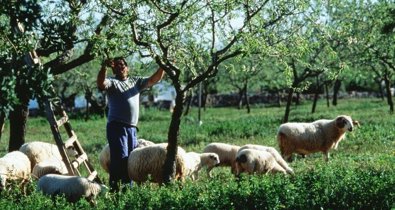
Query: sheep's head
point(344, 122)
point(210, 159)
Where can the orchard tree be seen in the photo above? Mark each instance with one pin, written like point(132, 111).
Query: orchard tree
point(49, 32)
point(176, 33)
point(244, 73)
point(370, 47)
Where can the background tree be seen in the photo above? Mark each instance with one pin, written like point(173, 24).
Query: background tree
point(371, 48)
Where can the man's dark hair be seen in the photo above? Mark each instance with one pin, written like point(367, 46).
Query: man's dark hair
point(122, 59)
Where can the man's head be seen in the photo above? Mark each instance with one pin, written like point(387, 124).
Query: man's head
point(120, 68)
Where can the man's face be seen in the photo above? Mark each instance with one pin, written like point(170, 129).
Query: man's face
point(120, 69)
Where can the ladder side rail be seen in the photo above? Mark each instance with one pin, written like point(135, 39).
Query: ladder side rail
point(58, 139)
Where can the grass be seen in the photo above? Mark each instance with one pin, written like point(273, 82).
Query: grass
point(361, 172)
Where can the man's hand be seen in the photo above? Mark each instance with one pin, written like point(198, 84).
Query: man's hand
point(108, 63)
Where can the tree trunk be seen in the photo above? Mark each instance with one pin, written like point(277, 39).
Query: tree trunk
point(389, 96)
point(240, 99)
point(288, 107)
point(18, 118)
point(327, 94)
point(188, 99)
point(381, 91)
point(297, 101)
point(169, 165)
point(247, 99)
point(336, 88)
point(315, 101)
point(316, 93)
point(2, 123)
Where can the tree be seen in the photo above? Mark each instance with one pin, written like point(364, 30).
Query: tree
point(372, 48)
point(48, 31)
point(176, 33)
point(243, 73)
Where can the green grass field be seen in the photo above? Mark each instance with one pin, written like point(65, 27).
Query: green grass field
point(360, 174)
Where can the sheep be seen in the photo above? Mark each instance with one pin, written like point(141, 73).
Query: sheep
point(38, 151)
point(257, 161)
point(226, 153)
point(318, 136)
point(14, 166)
point(195, 161)
point(49, 166)
point(104, 156)
point(273, 152)
point(72, 187)
point(149, 160)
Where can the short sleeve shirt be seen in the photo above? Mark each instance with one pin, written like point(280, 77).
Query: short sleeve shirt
point(124, 98)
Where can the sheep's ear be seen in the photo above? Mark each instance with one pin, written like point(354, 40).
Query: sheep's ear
point(212, 157)
point(340, 122)
point(356, 123)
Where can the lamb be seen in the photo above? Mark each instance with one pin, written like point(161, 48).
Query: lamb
point(226, 153)
point(257, 161)
point(104, 156)
point(14, 166)
point(195, 161)
point(49, 166)
point(318, 136)
point(72, 187)
point(273, 152)
point(149, 160)
point(38, 151)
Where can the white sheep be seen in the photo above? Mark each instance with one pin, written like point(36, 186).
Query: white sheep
point(257, 161)
point(273, 152)
point(148, 161)
point(14, 166)
point(226, 153)
point(49, 166)
point(72, 187)
point(38, 151)
point(318, 136)
point(104, 156)
point(195, 161)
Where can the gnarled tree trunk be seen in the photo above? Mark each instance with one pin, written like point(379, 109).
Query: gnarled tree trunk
point(169, 165)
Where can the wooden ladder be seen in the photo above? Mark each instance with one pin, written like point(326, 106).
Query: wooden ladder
point(72, 161)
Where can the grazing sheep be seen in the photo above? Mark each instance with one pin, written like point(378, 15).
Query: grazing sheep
point(49, 166)
point(149, 160)
point(104, 156)
point(14, 166)
point(38, 151)
point(72, 187)
point(195, 161)
point(257, 161)
point(318, 136)
point(273, 152)
point(226, 153)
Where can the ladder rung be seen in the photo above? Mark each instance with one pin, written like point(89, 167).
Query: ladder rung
point(79, 160)
point(62, 120)
point(92, 176)
point(70, 141)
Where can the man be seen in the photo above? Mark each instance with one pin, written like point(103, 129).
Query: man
point(123, 102)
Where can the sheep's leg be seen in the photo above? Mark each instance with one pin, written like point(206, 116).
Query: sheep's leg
point(326, 156)
point(278, 169)
point(288, 157)
point(196, 175)
point(208, 171)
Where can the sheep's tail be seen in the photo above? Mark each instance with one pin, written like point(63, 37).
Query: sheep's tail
point(281, 139)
